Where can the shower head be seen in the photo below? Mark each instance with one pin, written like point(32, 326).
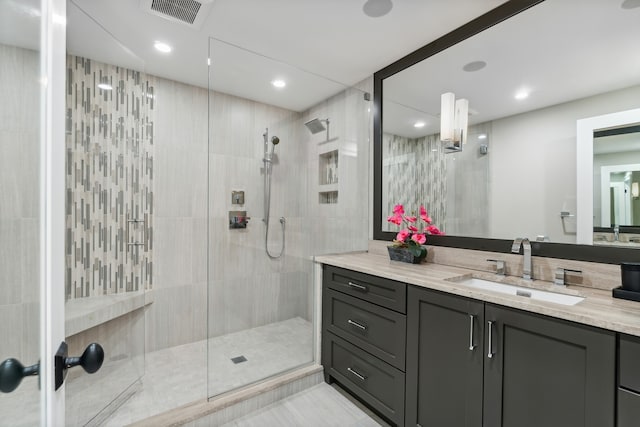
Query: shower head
point(316, 125)
point(275, 140)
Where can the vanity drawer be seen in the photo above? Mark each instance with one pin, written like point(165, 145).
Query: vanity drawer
point(384, 292)
point(628, 408)
point(375, 329)
point(375, 382)
point(630, 362)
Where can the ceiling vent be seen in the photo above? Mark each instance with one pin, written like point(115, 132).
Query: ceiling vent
point(188, 12)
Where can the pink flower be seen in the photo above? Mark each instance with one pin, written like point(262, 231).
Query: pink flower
point(411, 219)
point(432, 229)
point(398, 210)
point(413, 228)
point(424, 215)
point(402, 235)
point(419, 238)
point(395, 219)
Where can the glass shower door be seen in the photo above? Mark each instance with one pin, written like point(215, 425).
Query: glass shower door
point(20, 212)
point(108, 215)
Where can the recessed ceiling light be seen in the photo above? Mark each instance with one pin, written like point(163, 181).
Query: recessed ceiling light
point(522, 94)
point(279, 83)
point(105, 86)
point(162, 47)
point(377, 8)
point(474, 66)
point(419, 124)
point(482, 136)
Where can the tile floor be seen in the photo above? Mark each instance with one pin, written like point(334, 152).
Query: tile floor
point(178, 375)
point(174, 376)
point(318, 406)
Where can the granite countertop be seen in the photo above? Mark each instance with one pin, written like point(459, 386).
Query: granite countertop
point(598, 309)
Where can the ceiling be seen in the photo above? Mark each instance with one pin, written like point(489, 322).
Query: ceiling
point(559, 50)
point(319, 47)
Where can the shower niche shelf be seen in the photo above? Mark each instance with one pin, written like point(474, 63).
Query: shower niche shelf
point(328, 167)
point(328, 177)
point(328, 197)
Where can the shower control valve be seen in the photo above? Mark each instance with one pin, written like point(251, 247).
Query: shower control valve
point(238, 219)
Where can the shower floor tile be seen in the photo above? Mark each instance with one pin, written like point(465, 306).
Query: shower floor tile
point(178, 375)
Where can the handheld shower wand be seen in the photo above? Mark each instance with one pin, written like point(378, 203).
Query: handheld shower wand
point(268, 163)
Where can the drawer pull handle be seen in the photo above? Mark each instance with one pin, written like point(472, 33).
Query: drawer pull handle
point(490, 343)
point(360, 376)
point(471, 321)
point(358, 287)
point(357, 325)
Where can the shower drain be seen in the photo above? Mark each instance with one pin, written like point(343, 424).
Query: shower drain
point(238, 359)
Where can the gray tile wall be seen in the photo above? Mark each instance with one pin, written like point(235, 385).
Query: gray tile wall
point(19, 207)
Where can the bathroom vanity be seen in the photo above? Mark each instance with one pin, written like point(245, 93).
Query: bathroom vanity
point(422, 348)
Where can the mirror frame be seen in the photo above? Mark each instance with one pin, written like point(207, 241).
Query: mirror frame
point(580, 252)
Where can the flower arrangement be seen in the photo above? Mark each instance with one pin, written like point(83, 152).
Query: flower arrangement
point(411, 237)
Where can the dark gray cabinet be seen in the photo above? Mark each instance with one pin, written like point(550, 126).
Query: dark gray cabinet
point(476, 364)
point(444, 359)
point(364, 338)
point(629, 382)
point(546, 372)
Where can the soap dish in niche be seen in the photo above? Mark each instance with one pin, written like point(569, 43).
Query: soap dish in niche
point(624, 294)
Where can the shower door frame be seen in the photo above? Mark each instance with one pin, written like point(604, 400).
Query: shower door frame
point(52, 204)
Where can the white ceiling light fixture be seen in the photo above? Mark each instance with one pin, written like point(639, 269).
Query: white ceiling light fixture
point(521, 94)
point(454, 120)
point(162, 47)
point(419, 124)
point(279, 83)
point(377, 8)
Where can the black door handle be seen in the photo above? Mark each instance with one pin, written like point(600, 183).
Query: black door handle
point(12, 372)
point(91, 360)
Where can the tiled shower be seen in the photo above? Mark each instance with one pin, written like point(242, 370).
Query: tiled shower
point(153, 271)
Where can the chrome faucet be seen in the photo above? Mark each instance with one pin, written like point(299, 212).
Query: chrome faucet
point(526, 250)
point(616, 233)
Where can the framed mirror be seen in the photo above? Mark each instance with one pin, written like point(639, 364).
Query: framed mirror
point(530, 70)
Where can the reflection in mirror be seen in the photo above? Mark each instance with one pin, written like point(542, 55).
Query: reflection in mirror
point(526, 90)
point(616, 175)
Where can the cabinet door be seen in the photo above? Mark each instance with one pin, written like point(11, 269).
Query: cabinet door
point(444, 359)
point(546, 372)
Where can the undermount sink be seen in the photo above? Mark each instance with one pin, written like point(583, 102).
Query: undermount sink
point(536, 294)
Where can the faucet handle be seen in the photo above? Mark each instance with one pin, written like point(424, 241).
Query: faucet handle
point(561, 274)
point(500, 266)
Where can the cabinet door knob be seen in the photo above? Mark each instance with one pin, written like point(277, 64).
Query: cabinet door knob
point(490, 343)
point(471, 322)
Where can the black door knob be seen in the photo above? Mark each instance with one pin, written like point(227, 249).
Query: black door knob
point(12, 372)
point(91, 360)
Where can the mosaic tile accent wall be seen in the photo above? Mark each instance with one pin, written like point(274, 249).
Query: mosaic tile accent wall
point(414, 172)
point(109, 202)
point(454, 187)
